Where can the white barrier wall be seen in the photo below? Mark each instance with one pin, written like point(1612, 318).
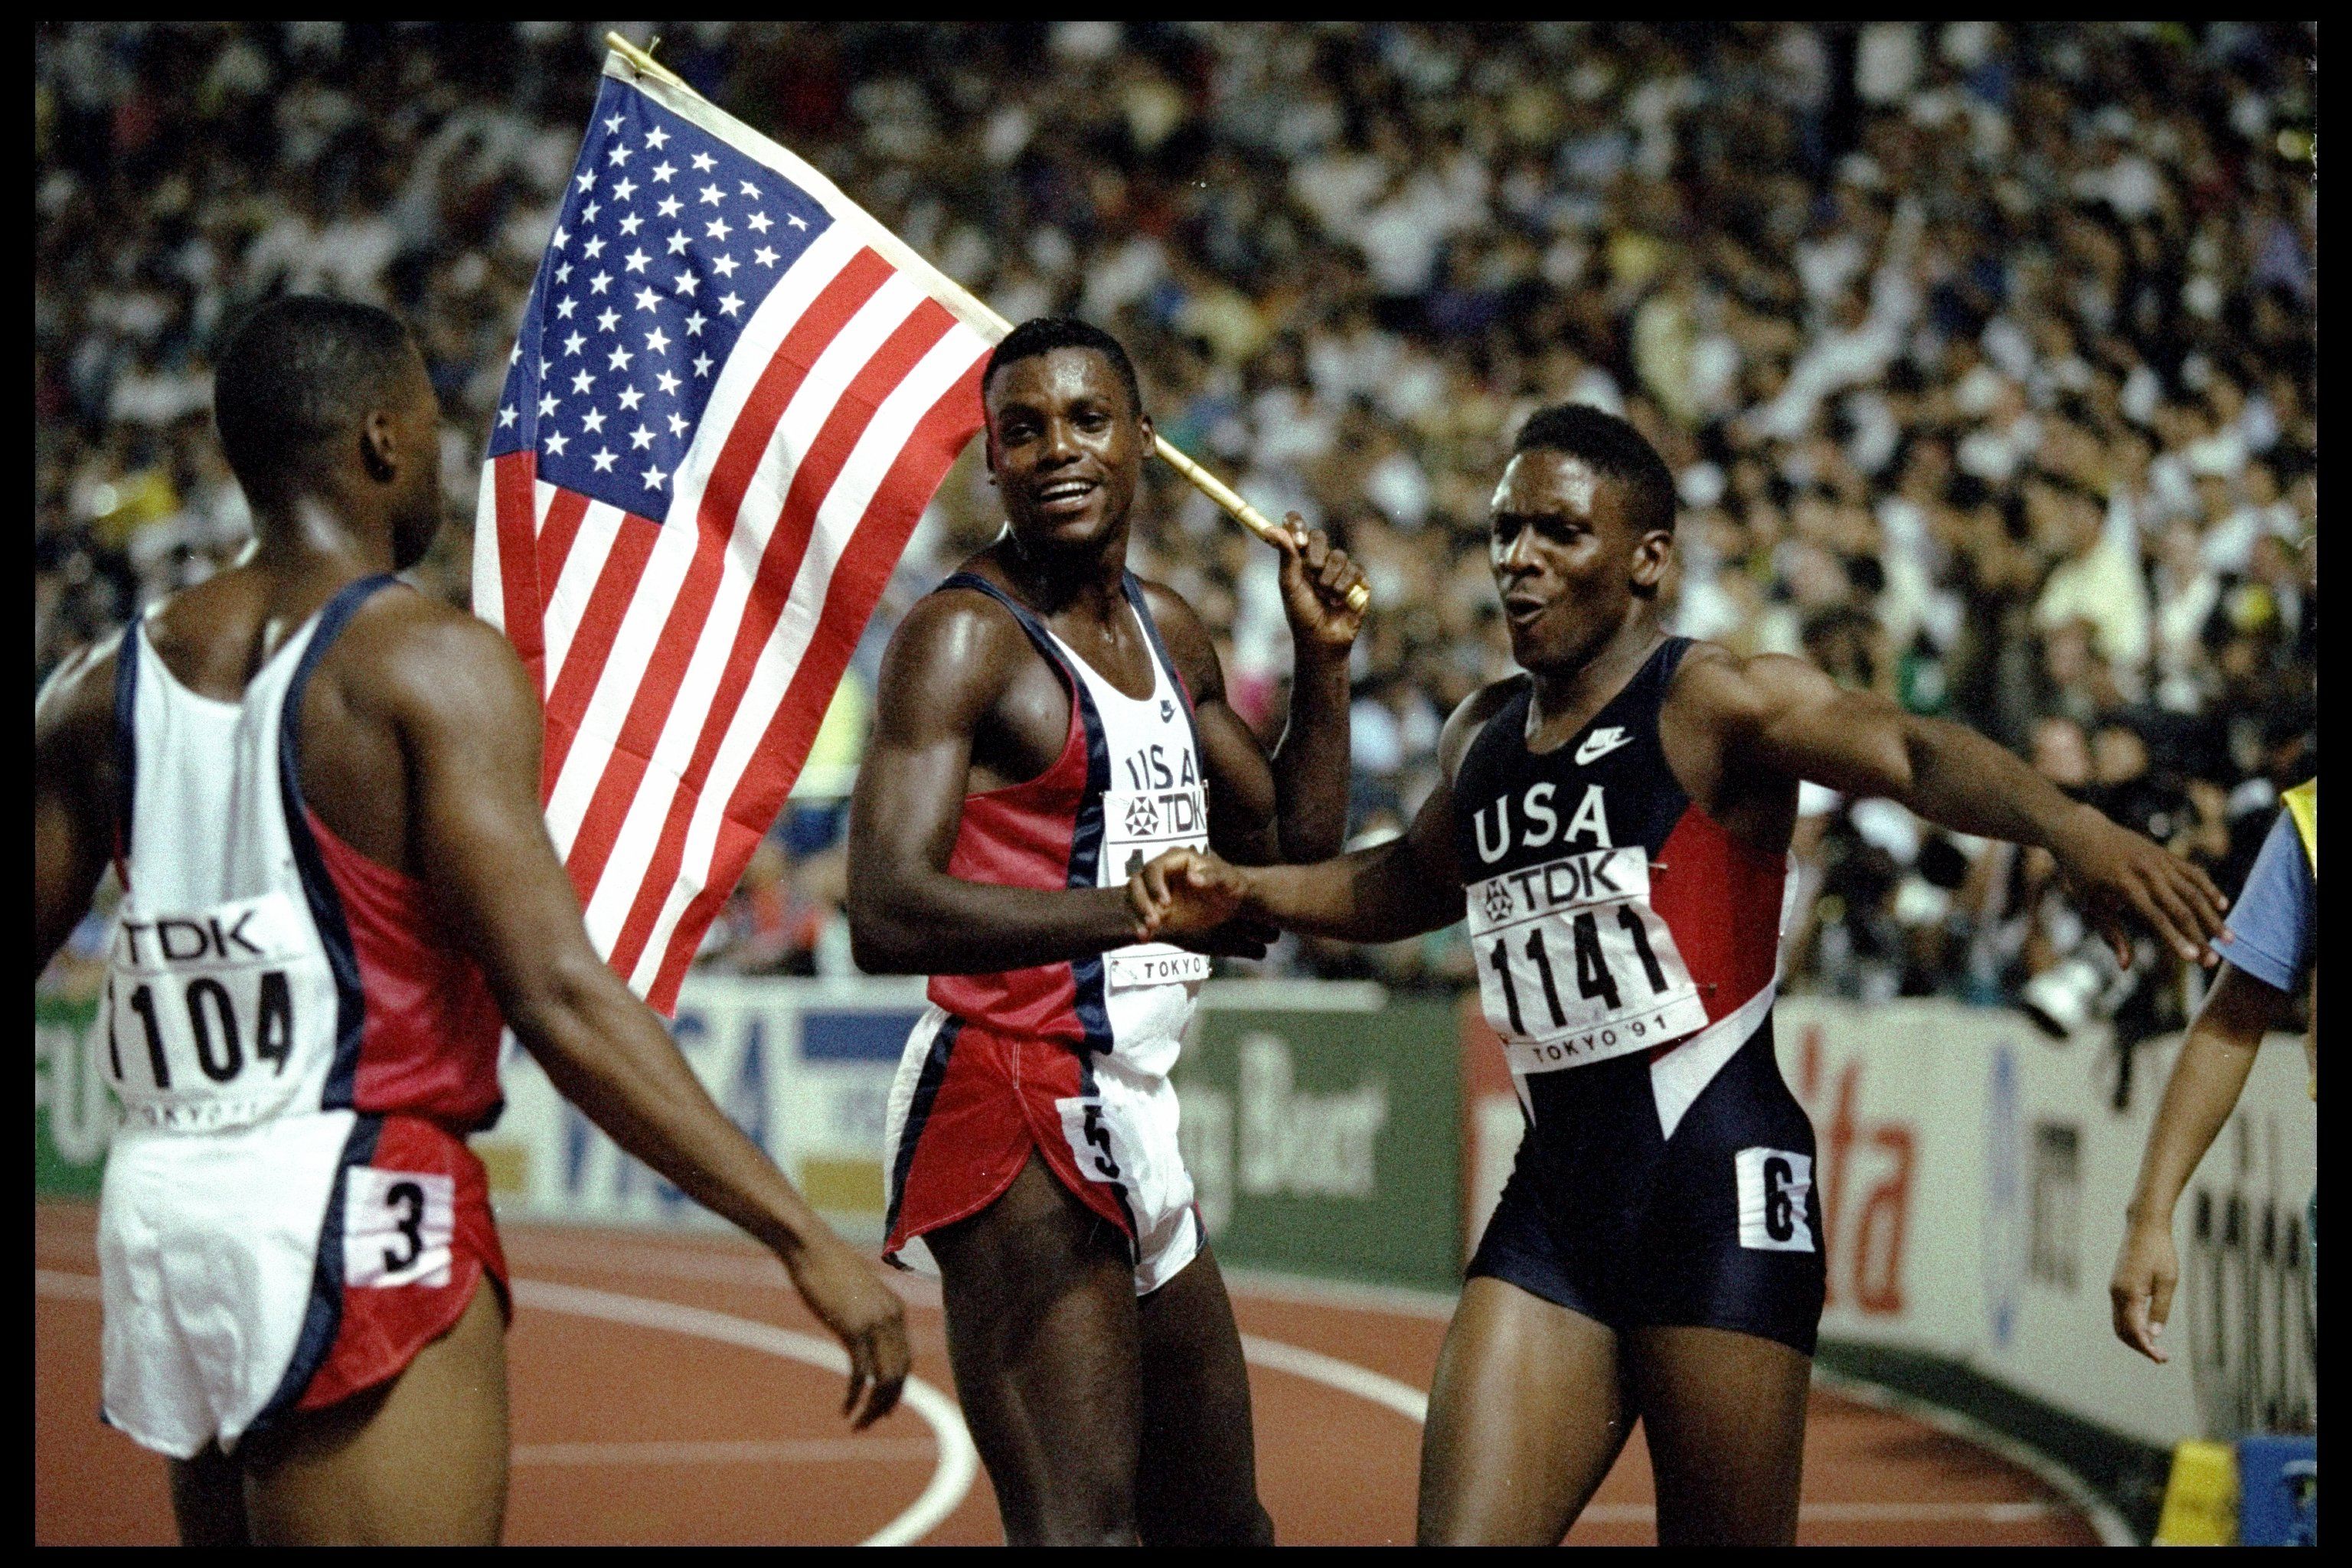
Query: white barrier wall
point(1973, 1175)
point(803, 1067)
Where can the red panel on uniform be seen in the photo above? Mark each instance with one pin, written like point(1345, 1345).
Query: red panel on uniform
point(1018, 836)
point(430, 1043)
point(382, 1327)
point(1722, 902)
point(995, 1103)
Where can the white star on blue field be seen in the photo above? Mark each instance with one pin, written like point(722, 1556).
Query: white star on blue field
point(668, 242)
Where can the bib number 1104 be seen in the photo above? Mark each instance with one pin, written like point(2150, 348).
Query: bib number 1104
point(206, 1020)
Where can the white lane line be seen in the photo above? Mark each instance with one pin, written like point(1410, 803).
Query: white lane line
point(959, 1461)
point(785, 1451)
point(1860, 1512)
point(951, 1478)
point(1332, 1373)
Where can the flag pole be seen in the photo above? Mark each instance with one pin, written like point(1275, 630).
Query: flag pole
point(642, 62)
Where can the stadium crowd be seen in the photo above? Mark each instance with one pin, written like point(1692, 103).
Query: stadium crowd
point(1985, 355)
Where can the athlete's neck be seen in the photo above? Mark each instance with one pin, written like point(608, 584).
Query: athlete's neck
point(307, 536)
point(1091, 580)
point(1567, 696)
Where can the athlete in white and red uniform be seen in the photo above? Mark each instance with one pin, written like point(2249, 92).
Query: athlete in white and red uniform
point(321, 791)
point(1045, 724)
point(1083, 1046)
point(1614, 824)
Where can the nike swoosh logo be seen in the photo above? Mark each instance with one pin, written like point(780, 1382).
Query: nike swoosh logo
point(1599, 743)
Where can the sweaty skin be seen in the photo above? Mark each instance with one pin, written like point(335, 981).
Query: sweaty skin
point(966, 705)
point(1102, 1418)
point(1527, 1411)
point(420, 744)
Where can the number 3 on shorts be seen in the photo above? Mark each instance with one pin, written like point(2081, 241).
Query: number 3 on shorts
point(396, 1227)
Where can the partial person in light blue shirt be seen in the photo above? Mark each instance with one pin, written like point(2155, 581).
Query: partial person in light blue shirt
point(2270, 932)
point(2266, 952)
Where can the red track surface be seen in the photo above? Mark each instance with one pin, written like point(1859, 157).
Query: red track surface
point(639, 1433)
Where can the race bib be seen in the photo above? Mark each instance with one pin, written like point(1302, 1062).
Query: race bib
point(1139, 825)
point(1573, 967)
point(208, 1011)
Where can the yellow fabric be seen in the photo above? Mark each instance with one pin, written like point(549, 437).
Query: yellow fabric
point(2302, 804)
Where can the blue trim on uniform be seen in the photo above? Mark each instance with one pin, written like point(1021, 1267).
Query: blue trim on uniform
point(317, 887)
point(1086, 866)
point(126, 736)
point(918, 1112)
point(1159, 648)
point(323, 1320)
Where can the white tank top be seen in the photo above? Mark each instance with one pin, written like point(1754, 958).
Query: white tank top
point(224, 1004)
point(1155, 801)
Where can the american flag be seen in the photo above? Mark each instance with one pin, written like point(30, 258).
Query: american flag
point(732, 395)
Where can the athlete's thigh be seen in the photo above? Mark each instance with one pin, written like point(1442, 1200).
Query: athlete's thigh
point(1196, 1482)
point(1042, 1334)
point(421, 1460)
point(1525, 1418)
point(1725, 1413)
point(208, 1500)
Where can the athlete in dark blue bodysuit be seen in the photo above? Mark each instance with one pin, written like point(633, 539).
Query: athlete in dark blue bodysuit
point(1614, 825)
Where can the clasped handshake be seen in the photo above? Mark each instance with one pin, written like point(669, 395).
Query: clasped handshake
point(1193, 898)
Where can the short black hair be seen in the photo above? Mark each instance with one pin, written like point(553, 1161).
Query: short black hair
point(1614, 448)
point(1044, 334)
point(298, 371)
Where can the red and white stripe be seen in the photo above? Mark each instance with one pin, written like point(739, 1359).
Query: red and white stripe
point(686, 663)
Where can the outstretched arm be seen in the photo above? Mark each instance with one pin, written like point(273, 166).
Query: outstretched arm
point(1386, 893)
point(1784, 715)
point(73, 797)
point(2215, 1060)
point(1408, 886)
point(1293, 806)
point(468, 723)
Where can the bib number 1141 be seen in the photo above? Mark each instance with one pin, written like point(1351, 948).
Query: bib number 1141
point(1595, 979)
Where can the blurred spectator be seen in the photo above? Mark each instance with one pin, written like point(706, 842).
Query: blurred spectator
point(1985, 353)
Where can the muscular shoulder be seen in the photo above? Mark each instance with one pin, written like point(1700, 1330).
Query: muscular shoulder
point(1721, 690)
point(951, 655)
point(407, 656)
point(76, 704)
point(1470, 717)
point(1190, 644)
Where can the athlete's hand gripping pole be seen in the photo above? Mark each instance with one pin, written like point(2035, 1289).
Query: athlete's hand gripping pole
point(977, 310)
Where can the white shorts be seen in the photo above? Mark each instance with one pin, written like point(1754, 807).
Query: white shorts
point(249, 1273)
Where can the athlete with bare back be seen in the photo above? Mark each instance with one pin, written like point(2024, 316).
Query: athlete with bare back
point(1046, 724)
point(1616, 822)
point(321, 789)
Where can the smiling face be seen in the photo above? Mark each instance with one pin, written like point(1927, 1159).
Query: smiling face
point(1567, 559)
point(1066, 447)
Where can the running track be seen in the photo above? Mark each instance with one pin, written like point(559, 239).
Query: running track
point(663, 1394)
